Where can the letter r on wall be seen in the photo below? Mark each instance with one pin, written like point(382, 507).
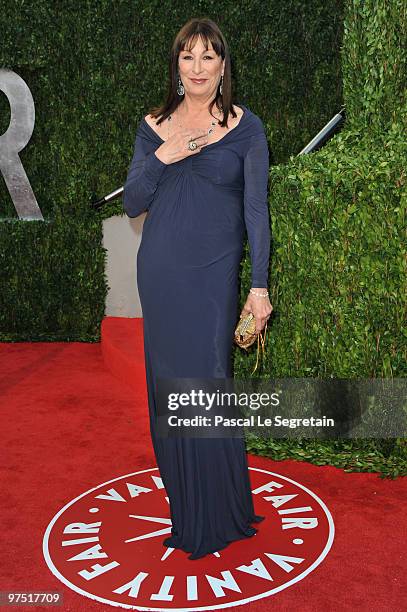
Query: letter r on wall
point(14, 139)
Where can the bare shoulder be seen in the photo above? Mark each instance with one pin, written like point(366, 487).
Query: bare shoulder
point(149, 119)
point(239, 111)
point(234, 121)
point(152, 123)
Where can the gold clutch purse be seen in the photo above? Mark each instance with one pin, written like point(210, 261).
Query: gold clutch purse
point(245, 334)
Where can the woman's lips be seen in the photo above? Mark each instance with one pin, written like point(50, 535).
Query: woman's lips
point(198, 80)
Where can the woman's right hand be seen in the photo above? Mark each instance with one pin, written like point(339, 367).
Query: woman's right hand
point(176, 146)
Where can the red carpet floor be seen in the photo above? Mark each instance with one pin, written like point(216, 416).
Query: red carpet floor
point(70, 425)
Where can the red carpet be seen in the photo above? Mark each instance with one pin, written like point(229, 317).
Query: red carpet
point(69, 426)
point(122, 349)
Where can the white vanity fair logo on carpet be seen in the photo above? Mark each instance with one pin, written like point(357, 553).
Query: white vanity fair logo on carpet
point(107, 545)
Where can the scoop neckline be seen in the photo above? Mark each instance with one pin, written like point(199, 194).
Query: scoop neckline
point(211, 143)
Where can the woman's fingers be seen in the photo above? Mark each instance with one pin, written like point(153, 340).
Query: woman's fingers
point(199, 136)
point(261, 312)
point(261, 322)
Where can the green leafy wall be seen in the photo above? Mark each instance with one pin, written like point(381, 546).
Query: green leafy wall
point(338, 264)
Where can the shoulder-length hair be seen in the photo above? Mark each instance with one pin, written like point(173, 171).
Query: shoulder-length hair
point(185, 41)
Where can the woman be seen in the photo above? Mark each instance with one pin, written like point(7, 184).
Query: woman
point(202, 177)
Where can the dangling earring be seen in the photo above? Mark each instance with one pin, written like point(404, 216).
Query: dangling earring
point(220, 86)
point(180, 87)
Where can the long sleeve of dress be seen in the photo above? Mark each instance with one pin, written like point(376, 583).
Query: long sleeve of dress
point(256, 211)
point(143, 177)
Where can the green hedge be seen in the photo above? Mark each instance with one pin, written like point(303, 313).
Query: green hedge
point(338, 267)
point(57, 293)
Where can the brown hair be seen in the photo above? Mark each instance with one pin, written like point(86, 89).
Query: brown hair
point(185, 40)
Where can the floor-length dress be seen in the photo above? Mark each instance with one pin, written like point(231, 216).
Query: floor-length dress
point(187, 275)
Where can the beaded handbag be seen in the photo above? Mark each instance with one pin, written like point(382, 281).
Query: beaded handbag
point(245, 334)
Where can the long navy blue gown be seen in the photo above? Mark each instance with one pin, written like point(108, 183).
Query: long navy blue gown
point(187, 274)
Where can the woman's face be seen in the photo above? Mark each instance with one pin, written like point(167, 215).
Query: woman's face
point(200, 64)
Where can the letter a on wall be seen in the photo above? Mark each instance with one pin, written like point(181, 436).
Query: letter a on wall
point(14, 140)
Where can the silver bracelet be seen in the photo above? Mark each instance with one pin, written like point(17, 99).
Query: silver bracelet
point(259, 294)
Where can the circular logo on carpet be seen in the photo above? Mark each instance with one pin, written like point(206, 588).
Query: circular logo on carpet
point(107, 544)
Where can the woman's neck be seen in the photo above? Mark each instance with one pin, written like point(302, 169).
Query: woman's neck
point(196, 110)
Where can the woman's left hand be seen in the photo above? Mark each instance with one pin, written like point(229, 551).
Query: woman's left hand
point(260, 307)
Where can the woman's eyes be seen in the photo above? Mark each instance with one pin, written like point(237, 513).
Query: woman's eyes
point(187, 56)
